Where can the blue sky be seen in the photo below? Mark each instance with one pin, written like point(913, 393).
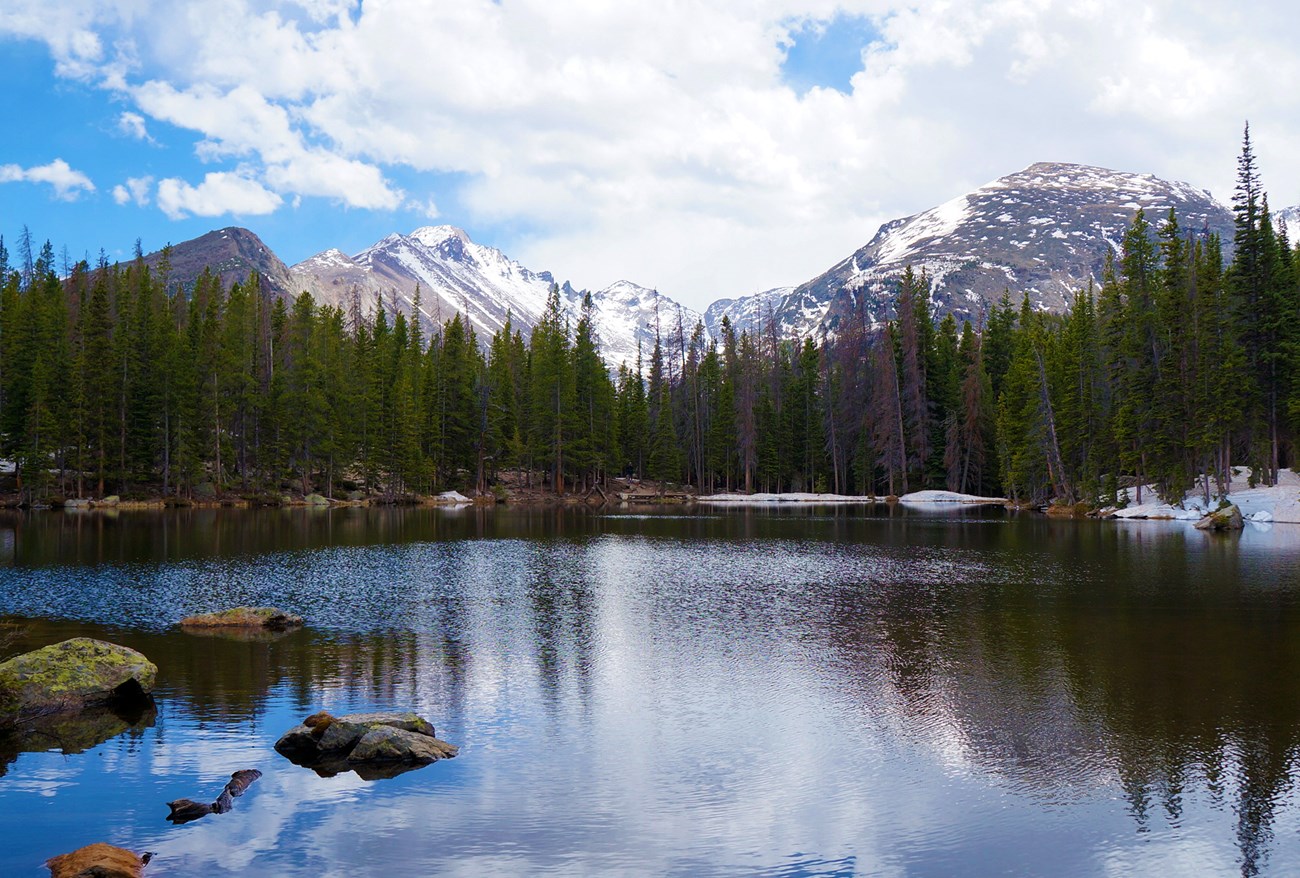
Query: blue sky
point(708, 148)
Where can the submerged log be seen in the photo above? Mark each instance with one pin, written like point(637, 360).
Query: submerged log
point(188, 810)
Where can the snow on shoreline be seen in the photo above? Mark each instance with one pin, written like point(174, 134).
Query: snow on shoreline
point(1280, 503)
point(926, 497)
point(916, 498)
point(786, 498)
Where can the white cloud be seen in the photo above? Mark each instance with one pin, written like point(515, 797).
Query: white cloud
point(134, 191)
point(220, 193)
point(661, 138)
point(133, 125)
point(68, 183)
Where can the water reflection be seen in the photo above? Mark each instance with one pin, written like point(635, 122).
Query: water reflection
point(790, 692)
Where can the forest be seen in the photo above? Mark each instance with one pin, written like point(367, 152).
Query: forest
point(1176, 367)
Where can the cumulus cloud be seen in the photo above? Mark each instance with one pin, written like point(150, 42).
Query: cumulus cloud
point(221, 192)
point(68, 183)
point(134, 191)
point(133, 125)
point(663, 142)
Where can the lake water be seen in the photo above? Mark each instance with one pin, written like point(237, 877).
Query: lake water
point(779, 692)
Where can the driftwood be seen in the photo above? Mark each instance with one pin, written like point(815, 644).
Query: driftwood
point(188, 810)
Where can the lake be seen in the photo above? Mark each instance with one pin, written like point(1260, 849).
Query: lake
point(754, 691)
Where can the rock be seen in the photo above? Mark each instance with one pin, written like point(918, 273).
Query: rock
point(329, 744)
point(268, 618)
point(72, 675)
point(99, 860)
point(76, 503)
point(387, 744)
point(110, 500)
point(299, 744)
point(1227, 518)
point(317, 500)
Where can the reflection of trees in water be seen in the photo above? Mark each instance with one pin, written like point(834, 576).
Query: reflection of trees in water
point(228, 678)
point(563, 629)
point(1162, 671)
point(76, 732)
point(55, 537)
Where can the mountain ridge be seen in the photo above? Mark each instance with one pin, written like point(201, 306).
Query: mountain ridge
point(1042, 231)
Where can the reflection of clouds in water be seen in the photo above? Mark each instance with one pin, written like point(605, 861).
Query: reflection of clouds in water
point(1189, 853)
point(43, 776)
point(264, 820)
point(638, 703)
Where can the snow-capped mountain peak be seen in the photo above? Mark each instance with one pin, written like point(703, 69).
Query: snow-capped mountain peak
point(457, 275)
point(1043, 232)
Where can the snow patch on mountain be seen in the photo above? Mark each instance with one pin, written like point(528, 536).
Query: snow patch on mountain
point(1042, 232)
point(454, 274)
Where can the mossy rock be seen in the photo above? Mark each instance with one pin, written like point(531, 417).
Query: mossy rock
point(268, 618)
point(71, 675)
point(1226, 518)
point(317, 500)
point(357, 741)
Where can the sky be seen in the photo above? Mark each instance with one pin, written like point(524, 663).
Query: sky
point(706, 149)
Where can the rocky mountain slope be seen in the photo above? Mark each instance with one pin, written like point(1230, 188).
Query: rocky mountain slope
point(454, 274)
point(231, 253)
point(1044, 231)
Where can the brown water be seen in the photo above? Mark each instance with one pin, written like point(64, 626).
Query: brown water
point(762, 691)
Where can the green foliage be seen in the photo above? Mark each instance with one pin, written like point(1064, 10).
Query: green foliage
point(113, 380)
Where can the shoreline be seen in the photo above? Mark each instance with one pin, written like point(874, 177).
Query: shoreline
point(1276, 504)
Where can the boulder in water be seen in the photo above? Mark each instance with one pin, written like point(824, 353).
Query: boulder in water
point(1227, 518)
point(268, 618)
point(100, 860)
point(363, 741)
point(70, 676)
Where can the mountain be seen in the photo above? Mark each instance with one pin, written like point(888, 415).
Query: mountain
point(454, 274)
point(1290, 218)
point(232, 253)
point(1044, 231)
point(750, 312)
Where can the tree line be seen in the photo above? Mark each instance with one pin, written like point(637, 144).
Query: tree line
point(1177, 367)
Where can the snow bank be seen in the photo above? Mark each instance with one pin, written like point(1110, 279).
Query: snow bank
point(785, 498)
point(1279, 503)
point(917, 497)
point(920, 497)
point(453, 497)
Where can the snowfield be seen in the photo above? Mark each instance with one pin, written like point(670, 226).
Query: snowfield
point(1280, 502)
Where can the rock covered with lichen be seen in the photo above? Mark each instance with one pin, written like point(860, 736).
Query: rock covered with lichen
point(1227, 518)
point(70, 676)
point(360, 741)
point(267, 618)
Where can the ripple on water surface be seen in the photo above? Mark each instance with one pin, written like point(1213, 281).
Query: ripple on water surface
point(772, 693)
